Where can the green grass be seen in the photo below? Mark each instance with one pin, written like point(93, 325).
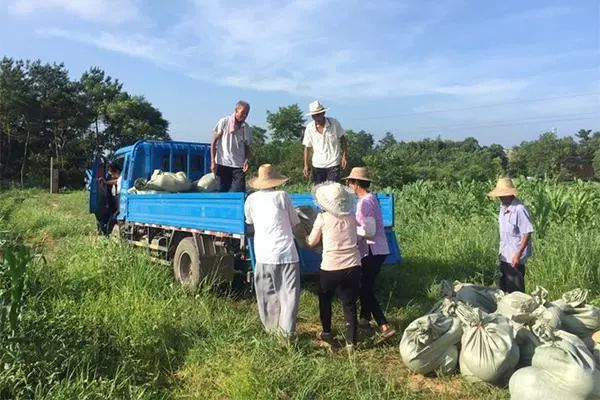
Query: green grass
point(101, 321)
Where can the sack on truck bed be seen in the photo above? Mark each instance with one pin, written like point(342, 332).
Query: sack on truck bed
point(207, 183)
point(563, 368)
point(429, 344)
point(164, 181)
point(489, 352)
point(578, 318)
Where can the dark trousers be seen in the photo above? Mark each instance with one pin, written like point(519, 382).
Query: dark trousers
point(512, 279)
point(331, 174)
point(348, 281)
point(369, 306)
point(231, 179)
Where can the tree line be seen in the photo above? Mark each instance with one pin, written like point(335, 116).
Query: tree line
point(395, 163)
point(45, 113)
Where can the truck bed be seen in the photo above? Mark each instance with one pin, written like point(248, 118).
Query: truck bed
point(214, 212)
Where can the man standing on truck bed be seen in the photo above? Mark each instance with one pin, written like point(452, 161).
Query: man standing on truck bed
point(230, 149)
point(325, 136)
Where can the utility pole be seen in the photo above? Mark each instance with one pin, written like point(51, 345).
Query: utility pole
point(53, 177)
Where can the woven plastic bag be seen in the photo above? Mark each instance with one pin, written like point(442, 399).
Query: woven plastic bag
point(481, 297)
point(207, 183)
point(562, 368)
point(169, 182)
point(527, 342)
point(489, 352)
point(519, 307)
point(578, 318)
point(307, 216)
point(429, 344)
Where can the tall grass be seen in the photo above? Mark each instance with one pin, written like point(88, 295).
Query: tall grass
point(102, 321)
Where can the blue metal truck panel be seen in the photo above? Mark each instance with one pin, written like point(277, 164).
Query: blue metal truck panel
point(218, 212)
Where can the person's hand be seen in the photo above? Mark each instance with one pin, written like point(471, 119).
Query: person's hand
point(245, 166)
point(344, 162)
point(212, 167)
point(101, 180)
point(516, 259)
point(306, 171)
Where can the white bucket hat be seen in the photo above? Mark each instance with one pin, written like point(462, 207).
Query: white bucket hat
point(315, 108)
point(334, 197)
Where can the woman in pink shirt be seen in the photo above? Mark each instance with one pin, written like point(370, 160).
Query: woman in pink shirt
point(340, 266)
point(373, 248)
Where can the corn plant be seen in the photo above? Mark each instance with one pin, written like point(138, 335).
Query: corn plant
point(14, 260)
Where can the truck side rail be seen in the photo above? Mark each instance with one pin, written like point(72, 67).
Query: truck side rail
point(212, 212)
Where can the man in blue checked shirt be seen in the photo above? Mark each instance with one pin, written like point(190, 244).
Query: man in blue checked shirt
point(514, 221)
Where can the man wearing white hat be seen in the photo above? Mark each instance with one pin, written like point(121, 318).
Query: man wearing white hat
point(277, 268)
point(515, 226)
point(325, 137)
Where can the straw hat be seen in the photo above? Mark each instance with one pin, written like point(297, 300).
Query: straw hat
point(267, 178)
point(359, 174)
point(316, 108)
point(334, 198)
point(504, 187)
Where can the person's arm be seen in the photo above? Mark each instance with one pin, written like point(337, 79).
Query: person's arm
point(213, 144)
point(248, 212)
point(306, 158)
point(516, 260)
point(365, 220)
point(315, 235)
point(247, 159)
point(344, 151)
point(525, 229)
point(367, 228)
point(307, 142)
point(292, 214)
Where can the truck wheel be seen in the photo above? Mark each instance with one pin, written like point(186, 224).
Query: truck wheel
point(186, 263)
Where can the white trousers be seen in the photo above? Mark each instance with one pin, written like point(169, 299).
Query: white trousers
point(277, 289)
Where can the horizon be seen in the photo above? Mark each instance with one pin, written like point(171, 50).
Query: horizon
point(503, 73)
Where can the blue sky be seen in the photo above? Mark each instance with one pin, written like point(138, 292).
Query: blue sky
point(501, 71)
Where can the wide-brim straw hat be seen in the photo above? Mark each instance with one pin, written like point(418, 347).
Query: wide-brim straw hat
point(359, 174)
point(267, 178)
point(315, 108)
point(504, 187)
point(334, 197)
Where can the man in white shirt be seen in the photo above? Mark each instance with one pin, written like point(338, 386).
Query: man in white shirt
point(325, 137)
point(230, 149)
point(277, 265)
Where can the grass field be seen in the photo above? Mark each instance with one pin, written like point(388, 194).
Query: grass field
point(98, 320)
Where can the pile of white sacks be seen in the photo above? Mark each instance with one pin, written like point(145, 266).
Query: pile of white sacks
point(174, 182)
point(543, 350)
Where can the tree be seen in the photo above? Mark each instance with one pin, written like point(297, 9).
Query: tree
point(360, 144)
point(388, 140)
point(596, 164)
point(287, 123)
point(132, 118)
point(259, 136)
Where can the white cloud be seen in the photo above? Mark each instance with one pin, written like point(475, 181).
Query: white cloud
point(333, 49)
point(479, 88)
point(104, 11)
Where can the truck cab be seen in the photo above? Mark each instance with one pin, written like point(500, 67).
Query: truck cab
point(200, 235)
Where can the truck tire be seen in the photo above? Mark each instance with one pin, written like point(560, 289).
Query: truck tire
point(186, 263)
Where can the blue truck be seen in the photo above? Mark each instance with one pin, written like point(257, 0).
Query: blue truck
point(199, 235)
